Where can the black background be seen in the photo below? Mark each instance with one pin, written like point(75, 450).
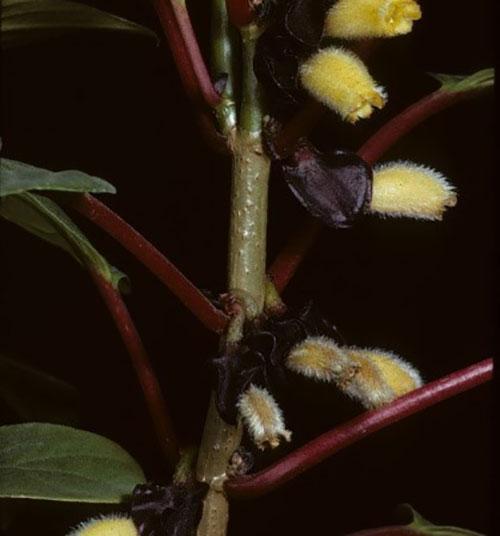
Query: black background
point(113, 107)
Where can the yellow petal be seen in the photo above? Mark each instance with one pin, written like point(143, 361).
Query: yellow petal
point(382, 377)
point(263, 417)
point(359, 19)
point(113, 525)
point(320, 358)
point(407, 189)
point(340, 80)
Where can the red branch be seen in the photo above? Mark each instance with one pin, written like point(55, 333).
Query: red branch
point(192, 69)
point(358, 428)
point(406, 121)
point(241, 12)
point(298, 126)
point(154, 260)
point(176, 24)
point(288, 260)
point(142, 365)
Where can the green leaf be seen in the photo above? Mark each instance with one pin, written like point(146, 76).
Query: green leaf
point(42, 217)
point(474, 82)
point(59, 463)
point(423, 527)
point(29, 21)
point(36, 396)
point(18, 177)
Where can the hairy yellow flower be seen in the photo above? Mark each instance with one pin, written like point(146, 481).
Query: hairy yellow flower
point(370, 376)
point(340, 80)
point(113, 525)
point(322, 359)
point(358, 19)
point(381, 377)
point(407, 189)
point(262, 417)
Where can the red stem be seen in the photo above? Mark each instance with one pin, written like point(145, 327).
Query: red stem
point(176, 24)
point(154, 260)
point(240, 12)
point(358, 428)
point(298, 126)
point(192, 69)
point(406, 121)
point(142, 365)
point(288, 260)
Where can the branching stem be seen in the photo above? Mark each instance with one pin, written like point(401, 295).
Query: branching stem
point(97, 212)
point(193, 71)
point(143, 368)
point(247, 281)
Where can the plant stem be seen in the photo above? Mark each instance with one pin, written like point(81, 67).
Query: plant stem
point(176, 24)
point(223, 37)
point(247, 234)
point(345, 435)
point(288, 261)
point(406, 121)
point(142, 365)
point(174, 18)
point(98, 213)
point(246, 274)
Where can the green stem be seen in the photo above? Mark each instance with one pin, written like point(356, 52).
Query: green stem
point(223, 40)
point(247, 237)
point(247, 280)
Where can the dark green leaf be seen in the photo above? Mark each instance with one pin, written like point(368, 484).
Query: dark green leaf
point(29, 21)
point(59, 463)
point(455, 83)
point(42, 217)
point(423, 527)
point(35, 395)
point(18, 177)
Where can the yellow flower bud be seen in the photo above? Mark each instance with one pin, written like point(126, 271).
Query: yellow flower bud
point(407, 189)
point(340, 80)
point(113, 525)
point(262, 417)
point(320, 358)
point(381, 377)
point(359, 19)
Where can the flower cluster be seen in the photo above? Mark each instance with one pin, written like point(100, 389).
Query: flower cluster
point(250, 381)
point(295, 54)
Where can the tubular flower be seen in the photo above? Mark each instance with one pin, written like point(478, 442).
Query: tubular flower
point(321, 359)
point(113, 525)
point(407, 189)
point(262, 417)
point(359, 19)
point(340, 80)
point(381, 377)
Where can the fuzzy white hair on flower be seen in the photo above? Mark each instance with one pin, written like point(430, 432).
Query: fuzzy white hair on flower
point(340, 80)
point(382, 377)
point(320, 358)
point(406, 189)
point(106, 525)
point(361, 19)
point(262, 417)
